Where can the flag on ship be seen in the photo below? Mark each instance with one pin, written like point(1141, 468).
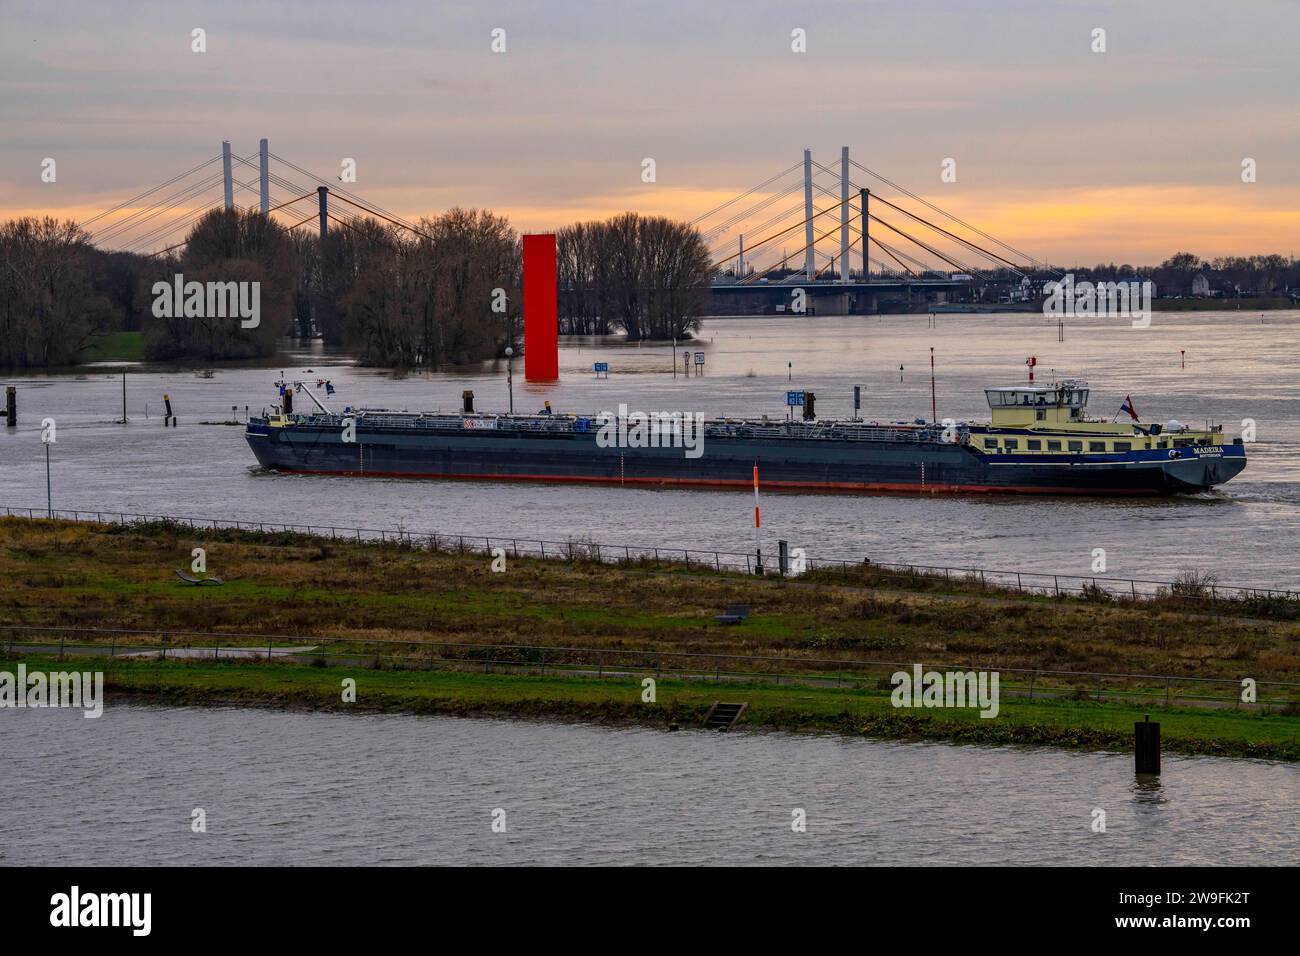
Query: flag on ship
point(1128, 407)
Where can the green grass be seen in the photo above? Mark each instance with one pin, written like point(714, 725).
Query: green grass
point(1059, 723)
point(344, 594)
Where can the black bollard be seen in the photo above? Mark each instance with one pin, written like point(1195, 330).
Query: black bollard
point(11, 405)
point(168, 419)
point(783, 557)
point(1146, 747)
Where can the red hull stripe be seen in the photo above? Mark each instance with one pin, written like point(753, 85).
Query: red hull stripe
point(830, 486)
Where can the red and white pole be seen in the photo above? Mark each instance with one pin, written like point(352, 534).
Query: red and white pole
point(758, 523)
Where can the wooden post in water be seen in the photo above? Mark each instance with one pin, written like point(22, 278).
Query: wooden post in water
point(11, 406)
point(1146, 746)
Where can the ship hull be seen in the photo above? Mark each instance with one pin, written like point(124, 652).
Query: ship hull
point(853, 467)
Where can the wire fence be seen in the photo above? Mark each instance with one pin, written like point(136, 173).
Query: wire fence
point(622, 663)
point(1194, 588)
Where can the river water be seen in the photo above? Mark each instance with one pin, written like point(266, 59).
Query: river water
point(1239, 366)
point(314, 788)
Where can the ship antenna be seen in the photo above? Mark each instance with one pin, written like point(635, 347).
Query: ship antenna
point(934, 415)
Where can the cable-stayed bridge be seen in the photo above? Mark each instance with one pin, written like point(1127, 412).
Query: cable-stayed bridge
point(850, 245)
point(157, 220)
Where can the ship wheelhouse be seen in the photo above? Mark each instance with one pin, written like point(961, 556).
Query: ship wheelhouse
point(1052, 419)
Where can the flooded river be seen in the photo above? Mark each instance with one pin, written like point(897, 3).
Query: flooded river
point(306, 788)
point(1235, 364)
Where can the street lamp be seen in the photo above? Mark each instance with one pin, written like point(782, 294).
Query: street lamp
point(510, 376)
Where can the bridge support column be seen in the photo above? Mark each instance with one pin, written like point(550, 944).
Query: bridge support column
point(225, 171)
point(862, 206)
point(810, 261)
point(844, 214)
point(264, 163)
point(323, 193)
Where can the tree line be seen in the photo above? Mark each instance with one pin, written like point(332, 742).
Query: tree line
point(448, 292)
point(647, 276)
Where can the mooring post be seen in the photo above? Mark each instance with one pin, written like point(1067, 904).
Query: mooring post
point(11, 406)
point(1146, 746)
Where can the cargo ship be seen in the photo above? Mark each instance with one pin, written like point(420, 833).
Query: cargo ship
point(1039, 440)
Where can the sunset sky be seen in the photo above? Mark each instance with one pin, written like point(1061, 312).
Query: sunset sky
point(1073, 156)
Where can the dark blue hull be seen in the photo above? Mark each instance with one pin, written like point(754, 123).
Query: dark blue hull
point(795, 463)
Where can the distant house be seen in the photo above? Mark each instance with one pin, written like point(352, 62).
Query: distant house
point(1200, 285)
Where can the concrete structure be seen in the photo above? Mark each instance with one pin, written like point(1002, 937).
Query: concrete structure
point(834, 298)
point(844, 214)
point(225, 170)
point(323, 193)
point(264, 170)
point(810, 259)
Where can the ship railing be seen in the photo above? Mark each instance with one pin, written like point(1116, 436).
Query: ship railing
point(1192, 589)
point(423, 652)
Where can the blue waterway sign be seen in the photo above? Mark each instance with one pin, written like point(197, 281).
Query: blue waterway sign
point(602, 366)
point(794, 398)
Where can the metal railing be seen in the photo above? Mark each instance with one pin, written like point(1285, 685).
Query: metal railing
point(608, 662)
point(1200, 591)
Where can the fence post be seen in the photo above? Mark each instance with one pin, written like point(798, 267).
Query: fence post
point(112, 647)
point(1031, 684)
point(1056, 585)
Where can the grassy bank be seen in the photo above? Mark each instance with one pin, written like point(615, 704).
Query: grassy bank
point(1057, 723)
point(842, 629)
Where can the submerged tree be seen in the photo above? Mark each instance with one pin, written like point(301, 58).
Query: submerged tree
point(647, 275)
